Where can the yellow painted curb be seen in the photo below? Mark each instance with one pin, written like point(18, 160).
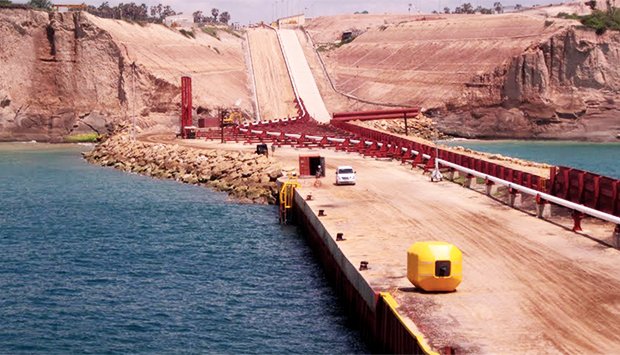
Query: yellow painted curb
point(390, 301)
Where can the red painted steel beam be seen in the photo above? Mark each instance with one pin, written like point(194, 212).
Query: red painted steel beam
point(369, 118)
point(401, 111)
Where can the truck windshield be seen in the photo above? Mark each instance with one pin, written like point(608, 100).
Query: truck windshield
point(345, 171)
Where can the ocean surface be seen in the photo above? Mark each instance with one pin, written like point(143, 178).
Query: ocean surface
point(600, 158)
point(94, 260)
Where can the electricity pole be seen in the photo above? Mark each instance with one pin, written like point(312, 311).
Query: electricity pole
point(133, 101)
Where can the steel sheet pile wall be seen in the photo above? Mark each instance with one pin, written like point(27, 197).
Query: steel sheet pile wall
point(392, 334)
point(355, 305)
point(380, 325)
point(595, 191)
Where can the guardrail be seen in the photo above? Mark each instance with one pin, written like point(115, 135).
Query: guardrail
point(541, 195)
point(594, 195)
point(513, 175)
point(591, 194)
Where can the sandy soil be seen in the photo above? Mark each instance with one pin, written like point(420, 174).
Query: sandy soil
point(334, 101)
point(529, 285)
point(276, 98)
point(217, 68)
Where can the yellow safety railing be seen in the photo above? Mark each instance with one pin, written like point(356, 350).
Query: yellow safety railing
point(287, 195)
point(287, 192)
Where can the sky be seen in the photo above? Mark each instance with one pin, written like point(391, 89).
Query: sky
point(253, 11)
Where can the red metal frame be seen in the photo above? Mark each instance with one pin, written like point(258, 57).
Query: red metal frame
point(592, 190)
point(186, 104)
point(376, 115)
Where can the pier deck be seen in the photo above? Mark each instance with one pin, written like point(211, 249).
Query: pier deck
point(528, 285)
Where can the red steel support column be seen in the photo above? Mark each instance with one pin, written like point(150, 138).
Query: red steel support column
point(489, 186)
point(186, 104)
point(577, 217)
point(512, 196)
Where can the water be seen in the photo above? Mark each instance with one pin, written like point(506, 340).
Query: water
point(600, 158)
point(94, 260)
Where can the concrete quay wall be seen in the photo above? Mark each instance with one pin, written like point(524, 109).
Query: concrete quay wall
point(375, 312)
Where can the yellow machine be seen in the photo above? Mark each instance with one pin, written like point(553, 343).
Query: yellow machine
point(434, 266)
point(232, 117)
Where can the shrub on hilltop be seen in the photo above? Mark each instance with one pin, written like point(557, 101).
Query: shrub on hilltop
point(599, 21)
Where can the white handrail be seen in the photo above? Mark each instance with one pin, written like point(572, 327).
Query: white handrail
point(558, 201)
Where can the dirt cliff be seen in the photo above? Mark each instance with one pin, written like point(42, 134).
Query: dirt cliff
point(67, 73)
point(493, 76)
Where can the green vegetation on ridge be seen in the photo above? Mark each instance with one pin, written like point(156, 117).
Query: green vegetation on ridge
point(599, 21)
point(82, 138)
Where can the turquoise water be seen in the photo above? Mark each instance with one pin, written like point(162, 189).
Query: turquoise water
point(600, 158)
point(94, 260)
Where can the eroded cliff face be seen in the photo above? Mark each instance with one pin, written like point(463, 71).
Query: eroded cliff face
point(62, 75)
point(501, 76)
point(565, 87)
point(67, 73)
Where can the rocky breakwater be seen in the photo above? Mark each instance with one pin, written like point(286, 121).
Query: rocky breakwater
point(246, 177)
point(420, 126)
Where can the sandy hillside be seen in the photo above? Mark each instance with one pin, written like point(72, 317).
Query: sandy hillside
point(511, 75)
point(274, 91)
point(69, 73)
point(216, 65)
point(427, 61)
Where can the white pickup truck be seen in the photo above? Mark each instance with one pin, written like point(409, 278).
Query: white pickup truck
point(345, 175)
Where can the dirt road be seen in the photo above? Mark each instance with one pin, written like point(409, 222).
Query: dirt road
point(276, 98)
point(303, 78)
point(529, 285)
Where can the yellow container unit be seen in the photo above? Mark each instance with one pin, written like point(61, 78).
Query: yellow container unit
point(434, 266)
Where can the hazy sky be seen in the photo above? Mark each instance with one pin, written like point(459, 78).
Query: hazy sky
point(245, 11)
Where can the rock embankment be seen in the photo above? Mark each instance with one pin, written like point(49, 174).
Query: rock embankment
point(246, 177)
point(421, 126)
point(500, 157)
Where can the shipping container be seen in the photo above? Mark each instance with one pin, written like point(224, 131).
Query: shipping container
point(308, 165)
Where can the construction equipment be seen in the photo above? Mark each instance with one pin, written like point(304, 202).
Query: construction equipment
point(230, 118)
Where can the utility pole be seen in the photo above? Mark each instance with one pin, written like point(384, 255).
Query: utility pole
point(133, 101)
point(222, 113)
